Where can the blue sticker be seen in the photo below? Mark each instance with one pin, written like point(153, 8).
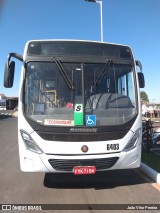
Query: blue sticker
point(90, 120)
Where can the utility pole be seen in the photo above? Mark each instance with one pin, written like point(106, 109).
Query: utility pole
point(100, 3)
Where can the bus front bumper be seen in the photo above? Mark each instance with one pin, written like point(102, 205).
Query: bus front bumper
point(33, 162)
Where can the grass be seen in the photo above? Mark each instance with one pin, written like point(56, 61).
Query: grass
point(152, 160)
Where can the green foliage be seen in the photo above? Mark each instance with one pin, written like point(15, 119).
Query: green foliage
point(144, 97)
point(152, 160)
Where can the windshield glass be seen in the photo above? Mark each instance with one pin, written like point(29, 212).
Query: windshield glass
point(103, 94)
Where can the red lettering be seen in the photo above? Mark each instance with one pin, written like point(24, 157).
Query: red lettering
point(58, 122)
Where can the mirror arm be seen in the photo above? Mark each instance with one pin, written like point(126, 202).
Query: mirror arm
point(138, 63)
point(15, 55)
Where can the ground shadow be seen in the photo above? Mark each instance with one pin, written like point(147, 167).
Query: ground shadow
point(4, 116)
point(100, 180)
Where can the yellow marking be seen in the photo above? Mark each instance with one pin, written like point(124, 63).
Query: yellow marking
point(148, 179)
point(156, 186)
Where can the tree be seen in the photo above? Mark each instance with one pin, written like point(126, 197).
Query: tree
point(144, 97)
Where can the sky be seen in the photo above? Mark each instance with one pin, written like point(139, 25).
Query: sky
point(131, 22)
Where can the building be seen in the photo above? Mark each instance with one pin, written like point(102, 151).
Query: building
point(2, 96)
point(8, 103)
point(151, 109)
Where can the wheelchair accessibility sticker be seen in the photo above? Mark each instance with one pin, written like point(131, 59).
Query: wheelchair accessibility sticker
point(90, 120)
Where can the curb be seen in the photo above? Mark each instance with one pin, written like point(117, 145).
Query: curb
point(10, 114)
point(150, 172)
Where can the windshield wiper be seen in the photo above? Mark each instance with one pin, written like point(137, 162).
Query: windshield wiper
point(63, 73)
point(101, 75)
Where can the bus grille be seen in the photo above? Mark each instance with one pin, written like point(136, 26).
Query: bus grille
point(82, 136)
point(68, 165)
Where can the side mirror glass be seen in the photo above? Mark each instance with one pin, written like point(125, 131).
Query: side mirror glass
point(141, 80)
point(9, 74)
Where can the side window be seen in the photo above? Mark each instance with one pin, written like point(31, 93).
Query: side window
point(130, 87)
point(122, 85)
point(126, 87)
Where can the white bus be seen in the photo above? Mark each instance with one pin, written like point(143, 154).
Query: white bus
point(2, 104)
point(79, 106)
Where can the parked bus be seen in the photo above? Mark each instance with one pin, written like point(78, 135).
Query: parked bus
point(79, 106)
point(2, 104)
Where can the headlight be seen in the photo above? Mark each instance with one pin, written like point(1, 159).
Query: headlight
point(30, 143)
point(133, 141)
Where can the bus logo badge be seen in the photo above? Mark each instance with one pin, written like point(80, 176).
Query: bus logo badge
point(84, 148)
point(90, 120)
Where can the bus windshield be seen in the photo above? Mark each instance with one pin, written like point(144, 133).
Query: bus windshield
point(98, 94)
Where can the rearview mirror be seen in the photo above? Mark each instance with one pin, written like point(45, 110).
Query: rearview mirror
point(9, 74)
point(9, 69)
point(141, 80)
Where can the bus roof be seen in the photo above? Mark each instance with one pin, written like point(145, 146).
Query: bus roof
point(77, 48)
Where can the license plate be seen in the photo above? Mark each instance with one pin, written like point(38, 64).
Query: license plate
point(84, 170)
